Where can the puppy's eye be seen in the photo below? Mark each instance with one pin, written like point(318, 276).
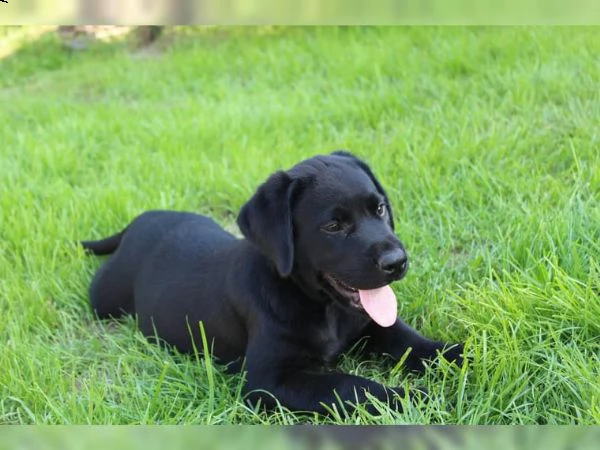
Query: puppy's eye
point(332, 227)
point(381, 209)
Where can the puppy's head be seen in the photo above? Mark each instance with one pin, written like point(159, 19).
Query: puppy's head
point(328, 224)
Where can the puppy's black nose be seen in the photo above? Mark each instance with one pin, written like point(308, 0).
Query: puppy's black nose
point(394, 262)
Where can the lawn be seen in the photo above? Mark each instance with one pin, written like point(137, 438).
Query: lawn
point(487, 140)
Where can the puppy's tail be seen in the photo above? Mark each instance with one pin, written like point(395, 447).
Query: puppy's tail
point(104, 246)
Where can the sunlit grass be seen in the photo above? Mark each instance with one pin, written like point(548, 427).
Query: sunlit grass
point(486, 140)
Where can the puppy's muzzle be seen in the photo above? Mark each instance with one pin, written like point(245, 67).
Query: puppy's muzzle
point(393, 263)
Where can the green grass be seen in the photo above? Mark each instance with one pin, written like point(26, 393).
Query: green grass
point(486, 139)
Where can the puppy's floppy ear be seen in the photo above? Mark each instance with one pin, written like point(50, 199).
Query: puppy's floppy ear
point(266, 221)
point(369, 172)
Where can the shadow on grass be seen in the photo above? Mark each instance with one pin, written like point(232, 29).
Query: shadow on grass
point(28, 52)
point(42, 51)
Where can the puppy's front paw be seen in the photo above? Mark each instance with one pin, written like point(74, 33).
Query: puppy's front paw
point(415, 394)
point(454, 353)
point(418, 393)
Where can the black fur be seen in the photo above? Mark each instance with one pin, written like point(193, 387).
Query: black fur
point(268, 298)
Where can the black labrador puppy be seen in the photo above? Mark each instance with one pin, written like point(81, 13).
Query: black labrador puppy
point(311, 278)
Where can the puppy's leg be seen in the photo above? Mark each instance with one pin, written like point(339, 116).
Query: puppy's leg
point(311, 392)
point(398, 338)
point(281, 375)
point(111, 293)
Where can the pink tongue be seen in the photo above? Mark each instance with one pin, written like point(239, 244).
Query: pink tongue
point(380, 304)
